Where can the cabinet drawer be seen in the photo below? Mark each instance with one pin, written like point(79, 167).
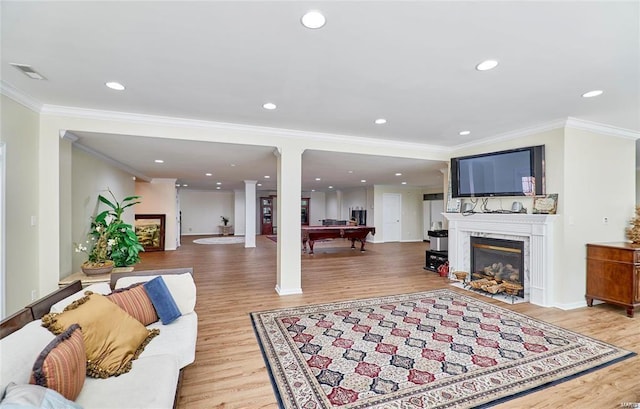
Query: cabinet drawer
point(622, 255)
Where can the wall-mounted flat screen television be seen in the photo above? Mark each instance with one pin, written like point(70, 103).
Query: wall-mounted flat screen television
point(514, 172)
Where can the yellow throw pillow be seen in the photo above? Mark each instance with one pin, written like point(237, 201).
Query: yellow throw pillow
point(112, 337)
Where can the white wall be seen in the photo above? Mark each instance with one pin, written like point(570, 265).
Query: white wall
point(239, 226)
point(201, 211)
point(20, 132)
point(91, 177)
point(317, 207)
point(411, 228)
point(332, 203)
point(599, 182)
point(159, 197)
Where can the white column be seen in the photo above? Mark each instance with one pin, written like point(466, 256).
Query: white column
point(289, 264)
point(250, 213)
point(239, 206)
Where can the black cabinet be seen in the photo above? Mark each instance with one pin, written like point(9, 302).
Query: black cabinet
point(434, 259)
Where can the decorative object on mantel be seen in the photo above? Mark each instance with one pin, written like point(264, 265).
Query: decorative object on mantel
point(545, 204)
point(225, 220)
point(112, 242)
point(633, 232)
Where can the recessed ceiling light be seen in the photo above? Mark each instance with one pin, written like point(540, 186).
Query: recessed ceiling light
point(463, 133)
point(592, 94)
point(363, 180)
point(185, 185)
point(218, 183)
point(330, 187)
point(313, 19)
point(233, 164)
point(349, 171)
point(269, 105)
point(259, 184)
point(158, 161)
point(404, 183)
point(177, 184)
point(313, 190)
point(267, 176)
point(318, 179)
point(207, 174)
point(115, 85)
point(218, 187)
point(380, 121)
point(487, 65)
point(398, 174)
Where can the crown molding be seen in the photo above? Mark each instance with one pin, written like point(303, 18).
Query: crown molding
point(156, 120)
point(74, 140)
point(20, 97)
point(519, 133)
point(570, 122)
point(599, 128)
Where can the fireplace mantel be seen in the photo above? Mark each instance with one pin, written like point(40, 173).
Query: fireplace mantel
point(536, 228)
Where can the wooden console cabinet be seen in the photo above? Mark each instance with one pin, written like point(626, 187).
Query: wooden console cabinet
point(613, 274)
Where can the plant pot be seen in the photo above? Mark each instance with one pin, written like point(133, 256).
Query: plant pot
point(97, 268)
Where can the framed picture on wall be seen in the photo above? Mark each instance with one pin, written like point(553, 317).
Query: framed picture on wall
point(150, 231)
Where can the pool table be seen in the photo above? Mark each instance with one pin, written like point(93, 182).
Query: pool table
point(312, 233)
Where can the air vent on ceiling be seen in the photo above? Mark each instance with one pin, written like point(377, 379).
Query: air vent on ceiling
point(29, 72)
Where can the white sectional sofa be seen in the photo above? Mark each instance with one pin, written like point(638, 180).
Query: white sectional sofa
point(154, 378)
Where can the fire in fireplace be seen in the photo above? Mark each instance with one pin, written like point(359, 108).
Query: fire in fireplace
point(497, 266)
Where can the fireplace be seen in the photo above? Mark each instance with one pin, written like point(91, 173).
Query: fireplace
point(497, 265)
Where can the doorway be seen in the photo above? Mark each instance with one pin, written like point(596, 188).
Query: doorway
point(391, 216)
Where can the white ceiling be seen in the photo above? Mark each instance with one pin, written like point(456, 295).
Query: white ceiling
point(410, 62)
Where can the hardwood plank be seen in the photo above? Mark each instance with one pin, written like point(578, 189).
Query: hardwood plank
point(229, 371)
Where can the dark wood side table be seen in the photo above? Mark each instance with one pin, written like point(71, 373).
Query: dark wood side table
point(613, 274)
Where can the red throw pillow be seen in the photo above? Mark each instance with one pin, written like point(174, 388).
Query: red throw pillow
point(135, 301)
point(62, 365)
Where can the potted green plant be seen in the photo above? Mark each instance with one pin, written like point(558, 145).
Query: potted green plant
point(112, 242)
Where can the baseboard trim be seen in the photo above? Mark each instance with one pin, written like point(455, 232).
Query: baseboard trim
point(290, 291)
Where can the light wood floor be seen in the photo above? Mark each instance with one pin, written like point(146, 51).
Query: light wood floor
point(229, 371)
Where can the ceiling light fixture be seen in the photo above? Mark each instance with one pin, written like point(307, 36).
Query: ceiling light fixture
point(158, 161)
point(463, 133)
point(487, 65)
point(313, 19)
point(404, 183)
point(349, 171)
point(380, 121)
point(185, 185)
point(591, 94)
point(114, 85)
point(218, 187)
point(267, 176)
point(318, 179)
point(398, 174)
point(259, 184)
point(269, 105)
point(330, 187)
point(207, 174)
point(363, 180)
point(218, 183)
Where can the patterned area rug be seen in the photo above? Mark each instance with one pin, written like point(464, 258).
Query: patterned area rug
point(436, 349)
point(220, 240)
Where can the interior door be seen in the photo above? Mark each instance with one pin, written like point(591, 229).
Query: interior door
point(391, 216)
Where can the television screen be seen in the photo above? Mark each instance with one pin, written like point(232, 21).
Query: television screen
point(516, 172)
